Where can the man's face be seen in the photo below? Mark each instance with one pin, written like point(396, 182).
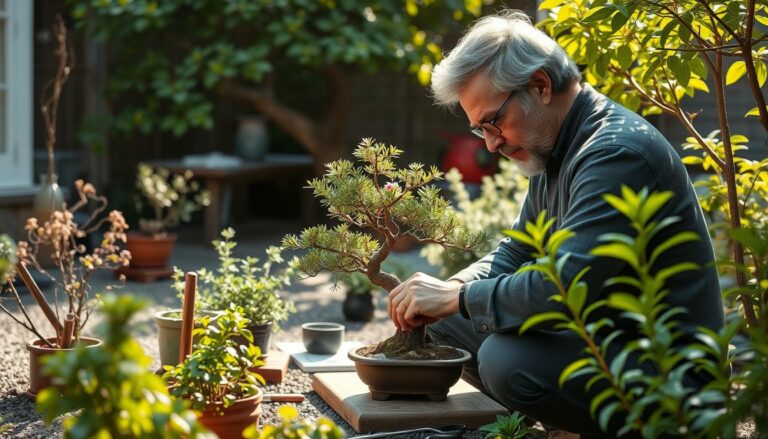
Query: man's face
point(526, 136)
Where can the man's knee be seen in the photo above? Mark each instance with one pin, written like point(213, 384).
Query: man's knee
point(507, 373)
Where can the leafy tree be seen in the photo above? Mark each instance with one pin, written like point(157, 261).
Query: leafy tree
point(389, 202)
point(176, 56)
point(627, 398)
point(649, 55)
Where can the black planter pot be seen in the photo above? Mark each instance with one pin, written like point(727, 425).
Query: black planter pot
point(358, 307)
point(262, 336)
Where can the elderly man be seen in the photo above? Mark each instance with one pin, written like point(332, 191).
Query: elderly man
point(524, 96)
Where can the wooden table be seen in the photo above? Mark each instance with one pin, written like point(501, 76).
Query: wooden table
point(219, 180)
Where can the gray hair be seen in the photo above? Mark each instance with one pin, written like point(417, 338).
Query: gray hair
point(508, 49)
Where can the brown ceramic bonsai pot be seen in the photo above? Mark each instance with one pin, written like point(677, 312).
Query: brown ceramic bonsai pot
point(149, 251)
point(231, 421)
point(387, 377)
point(37, 351)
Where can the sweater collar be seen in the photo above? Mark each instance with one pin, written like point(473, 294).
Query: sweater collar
point(579, 111)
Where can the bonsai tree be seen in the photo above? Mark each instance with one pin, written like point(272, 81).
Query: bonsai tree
point(74, 265)
point(110, 388)
point(237, 51)
point(171, 198)
point(390, 202)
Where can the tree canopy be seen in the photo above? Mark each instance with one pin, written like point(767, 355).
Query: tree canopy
point(175, 57)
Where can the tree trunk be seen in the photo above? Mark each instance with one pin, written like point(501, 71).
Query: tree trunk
point(323, 140)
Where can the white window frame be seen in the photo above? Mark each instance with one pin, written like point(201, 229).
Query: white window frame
point(16, 162)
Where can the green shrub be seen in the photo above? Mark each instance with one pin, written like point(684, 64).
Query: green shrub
point(218, 370)
point(243, 283)
point(110, 386)
point(291, 427)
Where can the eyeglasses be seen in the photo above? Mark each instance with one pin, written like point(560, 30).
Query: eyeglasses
point(490, 124)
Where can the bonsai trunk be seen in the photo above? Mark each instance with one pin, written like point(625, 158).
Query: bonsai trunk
point(413, 345)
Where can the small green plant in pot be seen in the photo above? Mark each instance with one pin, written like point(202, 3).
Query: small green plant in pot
point(110, 388)
point(217, 376)
point(168, 199)
point(247, 283)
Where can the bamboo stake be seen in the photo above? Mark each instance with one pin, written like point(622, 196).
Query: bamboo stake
point(187, 316)
point(39, 298)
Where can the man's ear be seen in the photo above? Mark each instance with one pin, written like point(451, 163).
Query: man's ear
point(541, 86)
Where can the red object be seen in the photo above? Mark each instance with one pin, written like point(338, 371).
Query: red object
point(469, 155)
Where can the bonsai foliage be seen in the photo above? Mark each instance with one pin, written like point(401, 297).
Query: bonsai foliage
point(243, 283)
point(391, 203)
point(218, 371)
point(171, 198)
point(491, 212)
point(632, 400)
point(650, 54)
point(109, 386)
point(74, 265)
point(292, 427)
point(232, 50)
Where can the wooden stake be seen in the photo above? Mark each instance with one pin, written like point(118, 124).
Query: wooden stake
point(187, 316)
point(69, 330)
point(39, 298)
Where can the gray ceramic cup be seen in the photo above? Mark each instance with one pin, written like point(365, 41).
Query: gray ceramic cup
point(322, 337)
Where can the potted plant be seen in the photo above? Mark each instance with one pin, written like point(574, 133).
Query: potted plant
point(169, 199)
point(245, 283)
point(110, 389)
point(392, 203)
point(217, 376)
point(75, 266)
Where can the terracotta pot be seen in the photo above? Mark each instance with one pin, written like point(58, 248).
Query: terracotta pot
point(358, 307)
point(169, 334)
point(386, 377)
point(37, 351)
point(148, 251)
point(230, 422)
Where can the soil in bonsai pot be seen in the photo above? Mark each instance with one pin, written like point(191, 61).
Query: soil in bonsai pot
point(412, 345)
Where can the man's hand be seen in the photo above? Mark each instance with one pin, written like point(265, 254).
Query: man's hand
point(421, 300)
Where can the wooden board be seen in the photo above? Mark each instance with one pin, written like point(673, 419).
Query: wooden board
point(275, 367)
point(350, 398)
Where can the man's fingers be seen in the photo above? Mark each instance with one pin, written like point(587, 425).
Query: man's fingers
point(400, 311)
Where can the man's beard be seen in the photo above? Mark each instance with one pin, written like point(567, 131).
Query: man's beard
point(539, 147)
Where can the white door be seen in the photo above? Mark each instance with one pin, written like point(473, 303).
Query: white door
point(15, 93)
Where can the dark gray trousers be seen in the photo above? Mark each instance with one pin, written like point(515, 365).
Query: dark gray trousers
point(521, 372)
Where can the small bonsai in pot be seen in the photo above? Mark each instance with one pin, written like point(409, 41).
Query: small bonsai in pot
point(169, 199)
point(75, 265)
point(217, 376)
point(247, 283)
point(390, 203)
point(110, 388)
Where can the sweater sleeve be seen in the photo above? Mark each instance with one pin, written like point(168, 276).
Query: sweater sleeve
point(503, 299)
